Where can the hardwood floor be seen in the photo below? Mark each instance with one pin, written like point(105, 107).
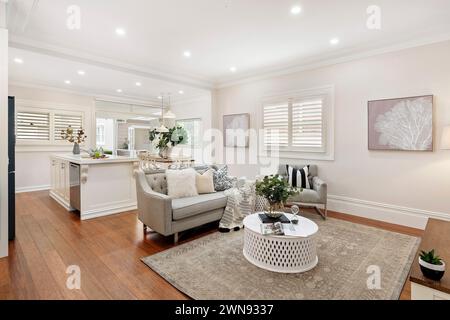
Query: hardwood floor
point(49, 239)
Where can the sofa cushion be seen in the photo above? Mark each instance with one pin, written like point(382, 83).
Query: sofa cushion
point(306, 196)
point(222, 181)
point(181, 183)
point(187, 207)
point(204, 182)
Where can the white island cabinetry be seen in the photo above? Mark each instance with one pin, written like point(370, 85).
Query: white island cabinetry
point(60, 182)
point(94, 187)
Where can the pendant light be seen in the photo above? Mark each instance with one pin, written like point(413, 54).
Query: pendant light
point(169, 114)
point(162, 128)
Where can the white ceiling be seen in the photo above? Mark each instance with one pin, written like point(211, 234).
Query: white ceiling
point(50, 71)
point(255, 36)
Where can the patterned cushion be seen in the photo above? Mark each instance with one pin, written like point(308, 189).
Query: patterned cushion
point(222, 181)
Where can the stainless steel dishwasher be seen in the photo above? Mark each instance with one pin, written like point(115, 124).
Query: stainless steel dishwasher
point(75, 196)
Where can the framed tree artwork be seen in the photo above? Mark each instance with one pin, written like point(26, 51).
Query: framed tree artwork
point(404, 124)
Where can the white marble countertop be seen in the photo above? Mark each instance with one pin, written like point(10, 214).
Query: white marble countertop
point(85, 159)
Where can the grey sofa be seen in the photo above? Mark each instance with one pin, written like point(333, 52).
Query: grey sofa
point(317, 196)
point(169, 216)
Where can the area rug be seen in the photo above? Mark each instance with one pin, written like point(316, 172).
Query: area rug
point(350, 256)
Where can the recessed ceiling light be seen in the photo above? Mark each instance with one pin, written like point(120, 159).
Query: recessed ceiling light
point(67, 82)
point(296, 10)
point(159, 97)
point(187, 54)
point(138, 84)
point(81, 72)
point(233, 69)
point(120, 31)
point(334, 41)
point(18, 60)
point(119, 90)
point(181, 92)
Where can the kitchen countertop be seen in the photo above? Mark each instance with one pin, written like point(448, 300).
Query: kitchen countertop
point(85, 159)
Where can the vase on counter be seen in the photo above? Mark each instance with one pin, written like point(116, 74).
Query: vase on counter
point(165, 152)
point(76, 148)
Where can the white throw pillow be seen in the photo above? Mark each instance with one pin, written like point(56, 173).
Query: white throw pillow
point(205, 182)
point(181, 183)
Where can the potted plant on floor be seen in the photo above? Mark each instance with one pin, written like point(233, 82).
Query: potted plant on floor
point(276, 190)
point(431, 265)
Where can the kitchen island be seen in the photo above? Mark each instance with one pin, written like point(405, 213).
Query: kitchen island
point(94, 187)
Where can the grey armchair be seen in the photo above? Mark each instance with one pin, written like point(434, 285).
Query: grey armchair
point(317, 196)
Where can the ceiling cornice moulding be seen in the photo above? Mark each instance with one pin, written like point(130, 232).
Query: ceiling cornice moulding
point(272, 72)
point(93, 95)
point(102, 62)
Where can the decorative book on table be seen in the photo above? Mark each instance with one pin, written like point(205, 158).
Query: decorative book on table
point(272, 229)
point(265, 219)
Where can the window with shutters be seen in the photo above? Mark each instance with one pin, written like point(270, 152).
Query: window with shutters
point(300, 125)
point(62, 121)
point(39, 126)
point(33, 126)
point(276, 124)
point(307, 125)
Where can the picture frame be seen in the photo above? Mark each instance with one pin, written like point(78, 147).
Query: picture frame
point(401, 124)
point(233, 125)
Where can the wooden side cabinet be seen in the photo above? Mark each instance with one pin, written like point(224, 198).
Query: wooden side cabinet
point(437, 237)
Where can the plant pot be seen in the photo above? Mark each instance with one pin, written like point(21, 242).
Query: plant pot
point(274, 210)
point(432, 271)
point(76, 148)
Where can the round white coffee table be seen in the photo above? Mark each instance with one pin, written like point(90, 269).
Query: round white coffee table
point(285, 254)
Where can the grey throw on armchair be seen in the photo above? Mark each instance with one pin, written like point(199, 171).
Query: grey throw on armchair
point(317, 196)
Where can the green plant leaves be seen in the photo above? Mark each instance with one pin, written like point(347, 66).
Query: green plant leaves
point(430, 257)
point(275, 189)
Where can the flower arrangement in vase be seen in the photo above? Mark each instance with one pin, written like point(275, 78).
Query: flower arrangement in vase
point(276, 190)
point(165, 141)
point(76, 138)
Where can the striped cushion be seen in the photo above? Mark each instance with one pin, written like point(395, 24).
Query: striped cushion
point(298, 177)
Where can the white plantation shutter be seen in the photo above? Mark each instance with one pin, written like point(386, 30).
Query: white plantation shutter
point(33, 126)
point(63, 121)
point(307, 124)
point(276, 125)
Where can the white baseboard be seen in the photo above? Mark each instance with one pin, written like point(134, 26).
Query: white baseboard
point(32, 188)
point(96, 213)
point(410, 217)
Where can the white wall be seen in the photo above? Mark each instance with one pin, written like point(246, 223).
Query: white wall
point(33, 162)
point(198, 108)
point(3, 137)
point(399, 187)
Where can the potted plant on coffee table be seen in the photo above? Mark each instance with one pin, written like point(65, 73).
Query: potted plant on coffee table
point(276, 190)
point(431, 265)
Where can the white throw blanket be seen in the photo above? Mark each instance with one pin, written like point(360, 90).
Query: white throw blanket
point(240, 203)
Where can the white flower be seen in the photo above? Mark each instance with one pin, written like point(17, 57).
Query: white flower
point(169, 144)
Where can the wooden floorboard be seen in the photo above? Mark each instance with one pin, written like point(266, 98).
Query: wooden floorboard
point(108, 251)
